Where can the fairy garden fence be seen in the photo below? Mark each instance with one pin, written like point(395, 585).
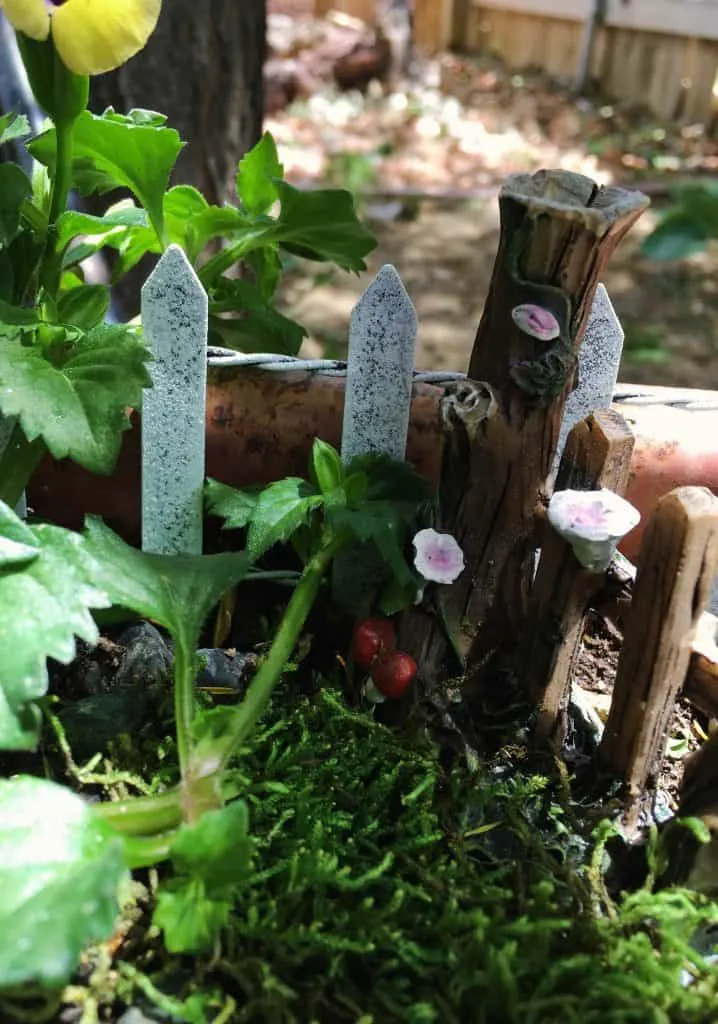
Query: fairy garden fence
point(502, 430)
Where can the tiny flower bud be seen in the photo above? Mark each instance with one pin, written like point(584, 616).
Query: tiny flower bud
point(536, 321)
point(438, 557)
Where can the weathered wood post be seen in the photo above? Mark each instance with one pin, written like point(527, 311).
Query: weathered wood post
point(558, 229)
point(677, 562)
point(598, 454)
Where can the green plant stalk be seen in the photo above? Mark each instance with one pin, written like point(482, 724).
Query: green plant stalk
point(270, 671)
point(184, 705)
point(52, 261)
point(144, 816)
point(18, 461)
point(146, 851)
point(223, 260)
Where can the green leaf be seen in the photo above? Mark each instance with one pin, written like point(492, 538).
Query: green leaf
point(260, 328)
point(18, 316)
point(178, 591)
point(217, 848)
point(221, 222)
point(13, 126)
point(211, 856)
point(322, 225)
point(181, 204)
point(380, 523)
point(123, 215)
point(15, 188)
point(234, 506)
point(280, 510)
point(189, 918)
point(327, 467)
point(84, 306)
point(44, 603)
point(255, 185)
point(17, 541)
point(318, 225)
point(111, 151)
point(61, 869)
point(391, 479)
point(78, 408)
point(272, 515)
point(266, 264)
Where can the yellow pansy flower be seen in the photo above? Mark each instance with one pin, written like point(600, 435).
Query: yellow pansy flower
point(90, 36)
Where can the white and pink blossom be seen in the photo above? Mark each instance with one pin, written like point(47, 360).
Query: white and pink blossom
point(592, 522)
point(536, 321)
point(438, 557)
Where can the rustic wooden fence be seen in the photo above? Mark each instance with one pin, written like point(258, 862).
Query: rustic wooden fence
point(662, 54)
point(679, 553)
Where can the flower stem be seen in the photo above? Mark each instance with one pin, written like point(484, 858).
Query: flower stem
point(184, 705)
point(144, 815)
point(270, 671)
point(63, 169)
point(146, 851)
point(51, 260)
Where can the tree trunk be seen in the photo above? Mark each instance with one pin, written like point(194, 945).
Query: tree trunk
point(203, 68)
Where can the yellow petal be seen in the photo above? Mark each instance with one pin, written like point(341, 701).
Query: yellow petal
point(29, 16)
point(93, 36)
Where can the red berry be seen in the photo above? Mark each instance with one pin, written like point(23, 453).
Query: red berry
point(391, 673)
point(372, 638)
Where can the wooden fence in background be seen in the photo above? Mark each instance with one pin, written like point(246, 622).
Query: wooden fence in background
point(662, 54)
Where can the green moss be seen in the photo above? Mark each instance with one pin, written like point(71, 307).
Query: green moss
point(386, 891)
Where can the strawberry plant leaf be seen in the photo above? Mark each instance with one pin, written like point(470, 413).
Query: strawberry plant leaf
point(44, 604)
point(280, 510)
point(217, 848)
point(178, 591)
point(188, 917)
point(379, 523)
point(234, 506)
point(79, 408)
point(272, 515)
point(60, 873)
point(17, 541)
point(211, 856)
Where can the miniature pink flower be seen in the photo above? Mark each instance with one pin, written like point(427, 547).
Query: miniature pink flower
point(592, 522)
point(438, 557)
point(536, 321)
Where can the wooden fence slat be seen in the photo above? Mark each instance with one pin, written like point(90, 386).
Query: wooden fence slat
point(597, 454)
point(677, 563)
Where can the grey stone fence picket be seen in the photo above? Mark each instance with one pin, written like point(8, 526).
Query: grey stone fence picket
point(379, 372)
point(379, 375)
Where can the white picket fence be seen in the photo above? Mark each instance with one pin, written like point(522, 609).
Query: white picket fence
point(379, 371)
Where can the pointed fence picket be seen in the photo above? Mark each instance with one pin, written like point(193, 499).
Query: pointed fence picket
point(174, 320)
point(379, 370)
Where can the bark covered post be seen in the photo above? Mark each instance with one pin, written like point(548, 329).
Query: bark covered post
point(558, 230)
point(598, 454)
point(676, 566)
